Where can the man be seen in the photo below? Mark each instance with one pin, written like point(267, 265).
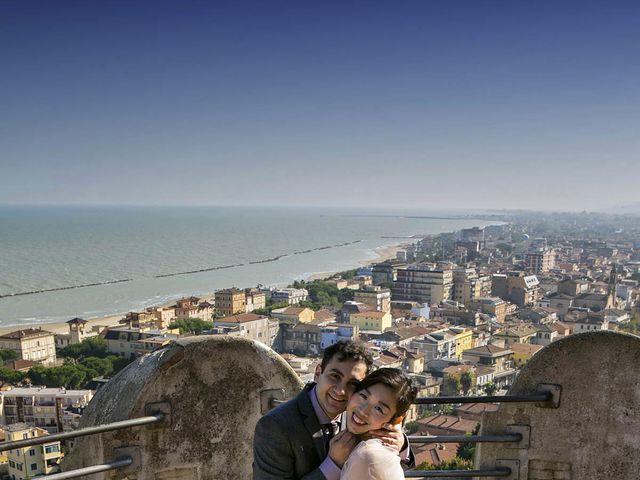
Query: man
point(291, 441)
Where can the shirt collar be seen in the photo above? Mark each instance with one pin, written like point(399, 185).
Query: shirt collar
point(323, 418)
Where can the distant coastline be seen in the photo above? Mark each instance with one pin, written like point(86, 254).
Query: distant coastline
point(381, 253)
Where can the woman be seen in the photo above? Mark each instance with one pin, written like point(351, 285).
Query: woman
point(384, 396)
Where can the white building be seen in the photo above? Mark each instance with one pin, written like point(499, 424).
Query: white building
point(48, 408)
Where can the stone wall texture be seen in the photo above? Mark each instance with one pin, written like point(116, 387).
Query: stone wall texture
point(594, 433)
point(216, 389)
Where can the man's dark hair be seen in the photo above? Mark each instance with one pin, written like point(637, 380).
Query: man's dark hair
point(397, 381)
point(347, 350)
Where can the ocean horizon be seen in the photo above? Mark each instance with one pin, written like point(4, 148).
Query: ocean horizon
point(59, 262)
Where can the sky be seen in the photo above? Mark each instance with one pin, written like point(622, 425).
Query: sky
point(421, 104)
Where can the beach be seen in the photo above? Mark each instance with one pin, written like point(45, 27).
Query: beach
point(382, 253)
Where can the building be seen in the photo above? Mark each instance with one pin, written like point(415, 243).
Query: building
point(594, 301)
point(522, 352)
point(475, 234)
point(440, 344)
point(126, 341)
point(494, 306)
point(230, 301)
point(375, 297)
point(301, 339)
point(421, 283)
point(48, 408)
point(516, 287)
point(250, 325)
point(467, 285)
point(293, 314)
point(33, 461)
point(371, 321)
point(335, 332)
point(522, 333)
point(192, 307)
point(32, 344)
point(255, 299)
point(291, 296)
point(386, 272)
point(498, 358)
point(541, 260)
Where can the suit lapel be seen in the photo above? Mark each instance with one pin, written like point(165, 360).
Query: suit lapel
point(311, 422)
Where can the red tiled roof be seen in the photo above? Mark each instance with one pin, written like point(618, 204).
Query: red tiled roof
point(242, 318)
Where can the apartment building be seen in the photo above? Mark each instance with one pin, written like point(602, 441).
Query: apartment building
point(32, 344)
point(375, 297)
point(385, 272)
point(193, 307)
point(371, 321)
point(249, 325)
point(33, 461)
point(255, 299)
point(230, 301)
point(540, 260)
point(494, 306)
point(54, 409)
point(467, 285)
point(516, 287)
point(293, 314)
point(292, 296)
point(422, 283)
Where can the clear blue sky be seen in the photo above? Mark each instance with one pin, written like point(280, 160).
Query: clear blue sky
point(434, 104)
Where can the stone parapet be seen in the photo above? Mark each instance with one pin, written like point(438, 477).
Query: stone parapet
point(213, 389)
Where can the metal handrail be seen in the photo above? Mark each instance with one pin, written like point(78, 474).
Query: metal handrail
point(536, 398)
point(107, 427)
point(103, 467)
point(506, 438)
point(496, 472)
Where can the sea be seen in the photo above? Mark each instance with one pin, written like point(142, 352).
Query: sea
point(59, 262)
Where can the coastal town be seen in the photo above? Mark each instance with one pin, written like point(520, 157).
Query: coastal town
point(461, 312)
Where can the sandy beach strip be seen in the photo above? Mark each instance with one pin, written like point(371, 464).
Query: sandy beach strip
point(382, 253)
point(388, 252)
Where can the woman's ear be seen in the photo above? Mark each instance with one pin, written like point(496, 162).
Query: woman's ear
point(397, 420)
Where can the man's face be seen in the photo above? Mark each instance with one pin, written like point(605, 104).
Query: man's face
point(336, 384)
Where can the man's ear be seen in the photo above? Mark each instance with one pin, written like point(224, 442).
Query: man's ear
point(317, 373)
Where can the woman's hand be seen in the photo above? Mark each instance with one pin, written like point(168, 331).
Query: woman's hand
point(340, 447)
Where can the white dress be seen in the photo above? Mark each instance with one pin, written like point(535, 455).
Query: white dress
point(371, 460)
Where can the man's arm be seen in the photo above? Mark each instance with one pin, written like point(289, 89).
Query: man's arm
point(273, 457)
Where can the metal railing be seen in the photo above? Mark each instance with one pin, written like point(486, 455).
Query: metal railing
point(120, 462)
point(107, 427)
point(496, 472)
point(542, 398)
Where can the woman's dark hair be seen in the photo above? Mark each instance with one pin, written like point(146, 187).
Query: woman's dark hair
point(347, 350)
point(397, 381)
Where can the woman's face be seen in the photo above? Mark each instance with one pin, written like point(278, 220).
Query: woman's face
point(370, 408)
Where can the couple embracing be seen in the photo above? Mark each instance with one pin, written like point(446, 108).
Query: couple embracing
point(346, 425)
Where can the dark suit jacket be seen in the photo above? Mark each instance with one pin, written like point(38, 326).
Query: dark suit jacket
point(288, 442)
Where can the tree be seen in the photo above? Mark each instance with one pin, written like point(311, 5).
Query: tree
point(191, 325)
point(97, 367)
point(67, 376)
point(6, 354)
point(490, 388)
point(454, 464)
point(10, 377)
point(452, 384)
point(467, 380)
point(466, 450)
point(89, 347)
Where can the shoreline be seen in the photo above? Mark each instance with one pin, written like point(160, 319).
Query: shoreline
point(382, 253)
